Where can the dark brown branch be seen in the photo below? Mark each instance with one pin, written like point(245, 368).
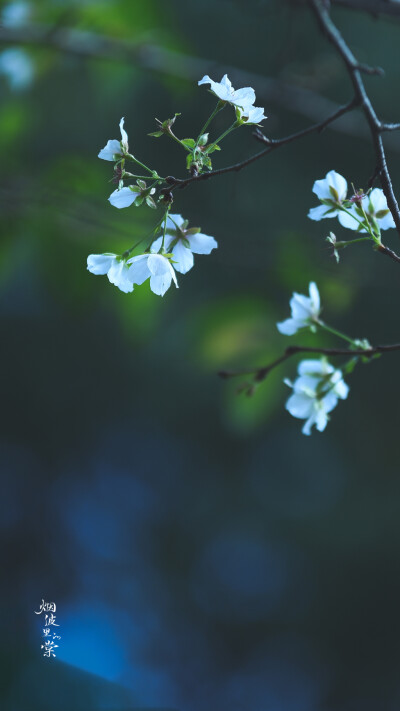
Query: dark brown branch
point(260, 374)
point(376, 127)
point(382, 249)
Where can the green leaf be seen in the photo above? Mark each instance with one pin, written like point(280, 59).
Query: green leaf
point(188, 142)
point(381, 213)
point(156, 134)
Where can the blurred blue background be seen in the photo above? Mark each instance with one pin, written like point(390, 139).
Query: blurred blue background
point(202, 553)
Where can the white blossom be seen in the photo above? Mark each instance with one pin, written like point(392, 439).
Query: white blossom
point(123, 197)
point(186, 244)
point(305, 310)
point(315, 393)
point(154, 267)
point(375, 206)
point(332, 188)
point(114, 266)
point(252, 114)
point(115, 149)
point(225, 91)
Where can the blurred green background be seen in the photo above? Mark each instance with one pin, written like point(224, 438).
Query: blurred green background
point(202, 552)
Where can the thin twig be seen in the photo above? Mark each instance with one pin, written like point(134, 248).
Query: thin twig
point(260, 374)
point(382, 249)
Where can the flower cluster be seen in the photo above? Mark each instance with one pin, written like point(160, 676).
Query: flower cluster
point(365, 213)
point(173, 242)
point(242, 99)
point(319, 386)
point(315, 393)
point(160, 263)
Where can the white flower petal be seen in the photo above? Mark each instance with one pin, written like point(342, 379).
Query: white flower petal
point(123, 198)
point(205, 80)
point(100, 263)
point(156, 245)
point(321, 418)
point(338, 182)
point(111, 149)
point(387, 222)
point(314, 296)
point(124, 135)
point(300, 406)
point(252, 114)
point(316, 366)
point(332, 179)
point(301, 307)
point(158, 264)
point(306, 430)
point(119, 275)
point(174, 221)
point(224, 91)
point(139, 270)
point(159, 284)
point(377, 199)
point(320, 212)
point(341, 390)
point(288, 327)
point(227, 83)
point(329, 401)
point(307, 384)
point(349, 222)
point(162, 274)
point(219, 89)
point(243, 97)
point(201, 244)
point(182, 258)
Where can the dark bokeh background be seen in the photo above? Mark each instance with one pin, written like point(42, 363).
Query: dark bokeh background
point(202, 553)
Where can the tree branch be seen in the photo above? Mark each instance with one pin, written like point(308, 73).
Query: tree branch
point(376, 127)
point(260, 374)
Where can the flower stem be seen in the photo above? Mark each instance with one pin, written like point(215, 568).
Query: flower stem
point(346, 243)
point(364, 224)
point(165, 229)
point(228, 130)
point(127, 252)
point(335, 332)
point(142, 165)
point(218, 108)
